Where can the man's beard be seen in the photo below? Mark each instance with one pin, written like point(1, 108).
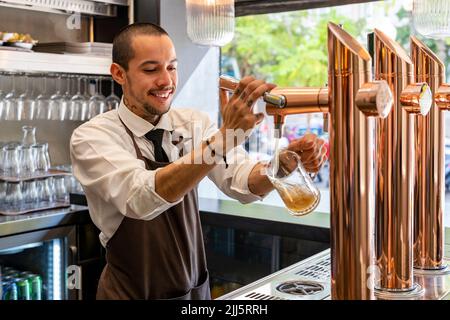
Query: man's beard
point(149, 109)
point(154, 111)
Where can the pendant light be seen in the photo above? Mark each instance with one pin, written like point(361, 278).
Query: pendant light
point(431, 18)
point(210, 22)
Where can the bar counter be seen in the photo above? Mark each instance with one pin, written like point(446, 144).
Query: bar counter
point(256, 217)
point(260, 218)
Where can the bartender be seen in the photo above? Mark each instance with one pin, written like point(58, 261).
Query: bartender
point(140, 165)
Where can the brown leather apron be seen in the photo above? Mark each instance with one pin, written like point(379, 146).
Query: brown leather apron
point(163, 258)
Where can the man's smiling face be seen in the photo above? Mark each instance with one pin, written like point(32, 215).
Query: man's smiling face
point(151, 78)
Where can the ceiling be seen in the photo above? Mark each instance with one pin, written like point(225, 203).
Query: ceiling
point(251, 7)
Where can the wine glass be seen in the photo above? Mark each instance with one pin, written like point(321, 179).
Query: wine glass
point(78, 104)
point(97, 101)
point(2, 97)
point(112, 101)
point(87, 95)
point(12, 111)
point(26, 101)
point(67, 80)
point(56, 102)
point(42, 101)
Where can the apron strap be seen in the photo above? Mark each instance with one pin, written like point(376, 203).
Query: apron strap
point(138, 151)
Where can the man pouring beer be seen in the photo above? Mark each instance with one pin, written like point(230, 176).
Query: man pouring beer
point(139, 166)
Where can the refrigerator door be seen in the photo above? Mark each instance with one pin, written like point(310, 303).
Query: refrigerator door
point(37, 265)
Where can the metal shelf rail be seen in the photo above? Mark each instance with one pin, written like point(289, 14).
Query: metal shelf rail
point(88, 7)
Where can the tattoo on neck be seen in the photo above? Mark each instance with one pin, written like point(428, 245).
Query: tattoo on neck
point(132, 107)
point(153, 119)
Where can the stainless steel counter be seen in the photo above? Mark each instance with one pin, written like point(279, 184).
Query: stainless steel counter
point(75, 214)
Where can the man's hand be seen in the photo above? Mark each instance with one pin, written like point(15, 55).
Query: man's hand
point(312, 151)
point(237, 111)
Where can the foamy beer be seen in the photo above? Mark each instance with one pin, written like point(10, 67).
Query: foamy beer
point(293, 183)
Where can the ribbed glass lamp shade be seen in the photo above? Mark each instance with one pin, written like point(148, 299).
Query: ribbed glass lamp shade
point(431, 18)
point(210, 22)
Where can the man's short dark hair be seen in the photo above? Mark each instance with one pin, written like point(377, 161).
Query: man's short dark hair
point(122, 51)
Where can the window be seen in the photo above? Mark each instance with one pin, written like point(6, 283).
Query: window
point(290, 49)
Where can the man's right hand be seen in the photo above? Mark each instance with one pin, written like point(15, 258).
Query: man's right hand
point(237, 112)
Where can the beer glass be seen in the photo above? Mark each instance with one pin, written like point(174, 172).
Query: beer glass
point(11, 165)
point(29, 135)
point(293, 183)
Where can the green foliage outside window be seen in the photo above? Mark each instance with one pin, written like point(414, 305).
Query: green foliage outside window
point(289, 49)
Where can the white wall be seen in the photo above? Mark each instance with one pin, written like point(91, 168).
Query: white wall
point(198, 67)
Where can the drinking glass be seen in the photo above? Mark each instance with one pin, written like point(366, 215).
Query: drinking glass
point(67, 81)
point(41, 159)
point(12, 161)
point(61, 194)
point(44, 187)
point(29, 135)
point(112, 101)
point(2, 159)
point(87, 95)
point(30, 192)
point(13, 196)
point(2, 97)
point(12, 111)
point(27, 163)
point(97, 101)
point(78, 104)
point(26, 101)
point(293, 183)
point(43, 101)
point(56, 103)
point(2, 192)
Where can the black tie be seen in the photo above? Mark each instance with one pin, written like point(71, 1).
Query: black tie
point(155, 136)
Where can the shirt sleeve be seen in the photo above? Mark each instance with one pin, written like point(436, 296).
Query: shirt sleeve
point(233, 181)
point(104, 167)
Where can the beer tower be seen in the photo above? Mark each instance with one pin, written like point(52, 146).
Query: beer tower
point(395, 170)
point(429, 191)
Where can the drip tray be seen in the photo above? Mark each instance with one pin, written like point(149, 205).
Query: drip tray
point(307, 280)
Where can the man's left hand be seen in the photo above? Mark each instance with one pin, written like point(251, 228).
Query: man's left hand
point(312, 151)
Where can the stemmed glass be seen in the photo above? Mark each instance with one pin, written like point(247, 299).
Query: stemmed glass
point(87, 96)
point(42, 102)
point(2, 97)
point(112, 101)
point(12, 111)
point(26, 101)
point(78, 104)
point(64, 114)
point(56, 102)
point(97, 101)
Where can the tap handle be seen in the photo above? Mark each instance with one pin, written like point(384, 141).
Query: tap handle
point(229, 83)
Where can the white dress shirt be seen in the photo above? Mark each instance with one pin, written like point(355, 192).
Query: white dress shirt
point(117, 184)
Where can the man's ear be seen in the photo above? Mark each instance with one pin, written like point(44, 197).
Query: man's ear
point(118, 73)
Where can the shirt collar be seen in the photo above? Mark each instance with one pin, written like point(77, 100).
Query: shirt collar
point(139, 126)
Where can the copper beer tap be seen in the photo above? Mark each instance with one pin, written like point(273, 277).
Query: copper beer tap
point(429, 191)
point(352, 102)
point(396, 167)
